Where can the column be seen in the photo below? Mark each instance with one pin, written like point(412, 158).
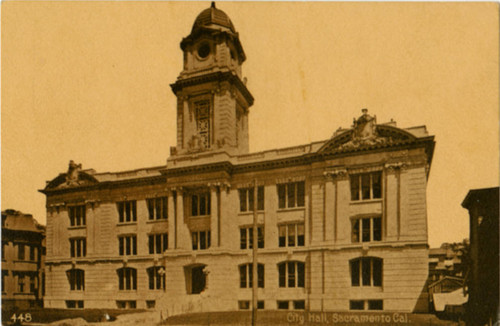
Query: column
point(332, 223)
point(330, 208)
point(183, 235)
point(172, 232)
point(214, 216)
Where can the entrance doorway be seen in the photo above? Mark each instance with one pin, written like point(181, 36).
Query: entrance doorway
point(196, 279)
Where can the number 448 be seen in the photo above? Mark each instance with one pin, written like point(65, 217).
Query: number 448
point(21, 318)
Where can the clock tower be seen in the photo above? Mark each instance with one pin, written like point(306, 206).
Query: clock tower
point(212, 97)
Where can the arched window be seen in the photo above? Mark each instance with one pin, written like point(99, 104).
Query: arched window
point(76, 278)
point(366, 271)
point(246, 280)
point(291, 274)
point(156, 276)
point(127, 278)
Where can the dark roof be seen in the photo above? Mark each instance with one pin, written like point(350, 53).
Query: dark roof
point(213, 17)
point(480, 195)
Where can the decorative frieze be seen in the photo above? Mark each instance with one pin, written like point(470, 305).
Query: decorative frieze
point(291, 179)
point(339, 173)
point(395, 166)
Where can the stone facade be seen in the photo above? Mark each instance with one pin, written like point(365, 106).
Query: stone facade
point(342, 222)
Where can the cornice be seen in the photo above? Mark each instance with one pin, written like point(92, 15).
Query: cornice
point(230, 169)
point(218, 77)
point(135, 182)
point(224, 166)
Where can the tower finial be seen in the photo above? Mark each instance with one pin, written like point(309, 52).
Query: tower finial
point(213, 4)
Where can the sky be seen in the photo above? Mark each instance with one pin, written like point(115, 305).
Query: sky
point(89, 82)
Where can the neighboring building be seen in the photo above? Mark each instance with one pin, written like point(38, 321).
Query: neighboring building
point(447, 260)
point(22, 260)
point(482, 280)
point(446, 279)
point(342, 223)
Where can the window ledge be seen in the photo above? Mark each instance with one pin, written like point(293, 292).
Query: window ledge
point(291, 209)
point(157, 221)
point(24, 293)
point(259, 211)
point(369, 288)
point(77, 227)
point(199, 216)
point(126, 223)
point(366, 244)
point(26, 261)
point(365, 201)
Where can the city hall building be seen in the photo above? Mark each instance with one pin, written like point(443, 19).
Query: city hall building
point(342, 222)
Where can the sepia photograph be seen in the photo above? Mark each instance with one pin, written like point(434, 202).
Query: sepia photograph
point(250, 163)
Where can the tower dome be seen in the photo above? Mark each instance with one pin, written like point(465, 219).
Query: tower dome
point(213, 18)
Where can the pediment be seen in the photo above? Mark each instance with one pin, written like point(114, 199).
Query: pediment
point(75, 177)
point(365, 134)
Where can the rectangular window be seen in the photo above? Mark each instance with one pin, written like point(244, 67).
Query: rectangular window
point(158, 243)
point(299, 304)
point(283, 305)
point(156, 276)
point(375, 305)
point(246, 273)
point(200, 204)
point(76, 278)
point(32, 253)
point(127, 211)
point(77, 215)
point(157, 208)
point(366, 304)
point(291, 235)
point(201, 240)
point(366, 272)
point(33, 283)
point(21, 282)
point(150, 304)
point(126, 304)
point(366, 229)
point(243, 305)
point(291, 274)
point(282, 275)
point(127, 279)
point(5, 273)
point(366, 186)
point(246, 237)
point(247, 199)
point(127, 245)
point(356, 305)
point(291, 195)
point(72, 304)
point(4, 245)
point(20, 251)
point(78, 247)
